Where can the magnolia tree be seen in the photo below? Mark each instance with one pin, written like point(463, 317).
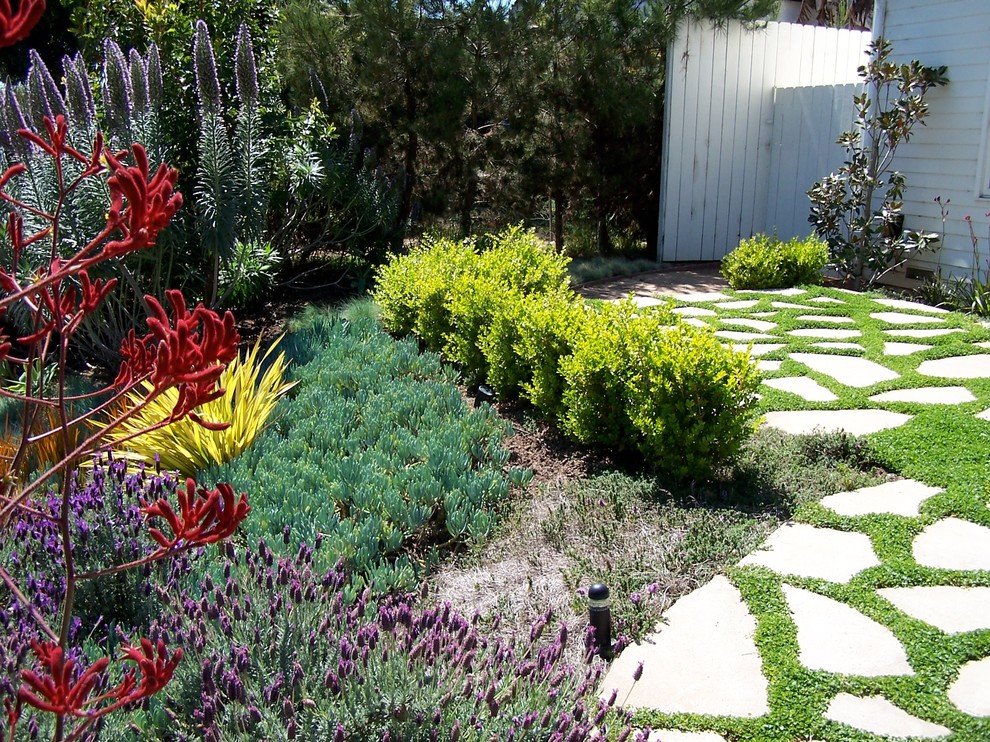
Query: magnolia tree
point(183, 349)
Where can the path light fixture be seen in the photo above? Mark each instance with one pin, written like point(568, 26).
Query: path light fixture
point(600, 618)
point(485, 394)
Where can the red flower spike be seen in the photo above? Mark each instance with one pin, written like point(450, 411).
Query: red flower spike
point(15, 27)
point(190, 351)
point(53, 690)
point(58, 133)
point(156, 671)
point(151, 203)
point(205, 516)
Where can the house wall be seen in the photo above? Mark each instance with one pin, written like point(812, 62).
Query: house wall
point(948, 157)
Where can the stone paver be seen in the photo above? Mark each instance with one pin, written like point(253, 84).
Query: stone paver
point(903, 349)
point(970, 692)
point(857, 422)
point(825, 332)
point(695, 322)
point(769, 365)
point(900, 497)
point(834, 637)
point(952, 543)
point(805, 551)
point(794, 291)
point(937, 332)
point(738, 335)
point(756, 324)
point(758, 349)
point(848, 370)
point(927, 395)
point(744, 304)
point(878, 715)
point(693, 296)
point(826, 300)
point(958, 367)
point(899, 318)
point(982, 345)
point(788, 305)
point(802, 386)
point(839, 346)
point(695, 311)
point(902, 304)
point(648, 301)
point(838, 320)
point(952, 609)
point(703, 661)
point(985, 415)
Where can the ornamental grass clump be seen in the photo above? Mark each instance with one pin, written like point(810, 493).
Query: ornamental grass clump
point(281, 650)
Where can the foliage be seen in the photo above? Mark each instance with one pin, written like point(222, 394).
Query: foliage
point(686, 399)
point(253, 386)
point(413, 290)
point(585, 270)
point(517, 264)
point(332, 195)
point(764, 262)
point(283, 650)
point(377, 454)
point(967, 293)
point(857, 209)
point(484, 108)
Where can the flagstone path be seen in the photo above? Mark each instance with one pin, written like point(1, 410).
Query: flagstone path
point(703, 666)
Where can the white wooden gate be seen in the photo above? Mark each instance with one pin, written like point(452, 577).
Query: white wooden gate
point(752, 115)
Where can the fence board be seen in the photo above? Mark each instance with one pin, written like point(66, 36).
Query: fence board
point(729, 120)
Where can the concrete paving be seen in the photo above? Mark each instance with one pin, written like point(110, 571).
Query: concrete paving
point(848, 370)
point(927, 395)
point(953, 543)
point(903, 349)
point(823, 553)
point(969, 693)
point(958, 367)
point(856, 422)
point(836, 638)
point(802, 386)
point(900, 497)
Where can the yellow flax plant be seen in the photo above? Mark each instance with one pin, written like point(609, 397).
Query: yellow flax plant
point(187, 446)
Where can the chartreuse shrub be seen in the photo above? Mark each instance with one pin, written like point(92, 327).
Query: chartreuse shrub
point(647, 381)
point(254, 386)
point(413, 290)
point(766, 262)
point(378, 455)
point(517, 265)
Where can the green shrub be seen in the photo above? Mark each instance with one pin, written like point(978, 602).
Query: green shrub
point(524, 343)
point(690, 400)
point(649, 382)
point(413, 290)
point(764, 262)
point(378, 454)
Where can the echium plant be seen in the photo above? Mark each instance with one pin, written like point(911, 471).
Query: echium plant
point(857, 209)
point(231, 192)
point(187, 350)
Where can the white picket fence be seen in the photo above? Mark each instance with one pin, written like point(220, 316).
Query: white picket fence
point(752, 115)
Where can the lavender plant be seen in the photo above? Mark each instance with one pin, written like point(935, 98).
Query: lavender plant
point(280, 651)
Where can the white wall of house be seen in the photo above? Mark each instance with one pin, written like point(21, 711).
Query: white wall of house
point(950, 157)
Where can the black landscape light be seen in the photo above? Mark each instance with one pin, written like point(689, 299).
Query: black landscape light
point(600, 618)
point(484, 394)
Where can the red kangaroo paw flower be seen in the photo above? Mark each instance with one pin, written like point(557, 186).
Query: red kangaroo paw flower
point(58, 132)
point(53, 689)
point(15, 27)
point(156, 671)
point(151, 202)
point(204, 516)
point(190, 351)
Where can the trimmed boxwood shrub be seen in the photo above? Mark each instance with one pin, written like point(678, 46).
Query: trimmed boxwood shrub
point(765, 262)
point(619, 376)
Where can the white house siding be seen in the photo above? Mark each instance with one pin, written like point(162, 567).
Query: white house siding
point(944, 157)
